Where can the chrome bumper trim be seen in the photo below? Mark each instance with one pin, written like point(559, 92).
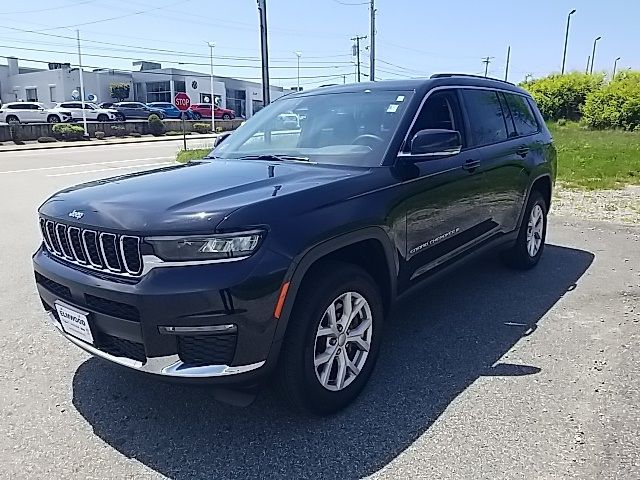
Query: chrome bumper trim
point(169, 366)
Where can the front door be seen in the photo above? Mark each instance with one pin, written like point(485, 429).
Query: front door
point(442, 195)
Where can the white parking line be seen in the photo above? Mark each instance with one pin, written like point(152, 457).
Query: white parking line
point(38, 169)
point(124, 167)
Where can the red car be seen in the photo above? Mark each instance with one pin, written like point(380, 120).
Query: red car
point(203, 110)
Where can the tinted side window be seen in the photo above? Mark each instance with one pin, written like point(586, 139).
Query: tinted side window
point(523, 117)
point(440, 111)
point(486, 121)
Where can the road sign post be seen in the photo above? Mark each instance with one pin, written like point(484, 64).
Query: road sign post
point(183, 102)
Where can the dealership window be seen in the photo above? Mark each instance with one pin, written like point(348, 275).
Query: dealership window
point(257, 106)
point(206, 98)
point(180, 86)
point(237, 101)
point(159, 92)
point(52, 93)
point(32, 94)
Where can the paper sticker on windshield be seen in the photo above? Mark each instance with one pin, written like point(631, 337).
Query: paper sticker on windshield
point(400, 98)
point(392, 108)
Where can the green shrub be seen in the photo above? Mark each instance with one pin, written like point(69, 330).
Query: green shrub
point(16, 134)
point(175, 133)
point(616, 105)
point(202, 127)
point(46, 140)
point(156, 126)
point(562, 96)
point(99, 135)
point(118, 131)
point(135, 134)
point(63, 131)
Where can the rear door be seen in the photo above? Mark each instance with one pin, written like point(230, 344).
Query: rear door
point(74, 108)
point(442, 195)
point(491, 135)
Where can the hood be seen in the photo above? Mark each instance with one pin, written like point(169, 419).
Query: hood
point(190, 198)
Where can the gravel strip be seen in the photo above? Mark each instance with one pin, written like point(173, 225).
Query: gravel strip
point(620, 206)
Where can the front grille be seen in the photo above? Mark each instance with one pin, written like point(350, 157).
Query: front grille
point(103, 251)
point(54, 287)
point(120, 347)
point(207, 350)
point(111, 307)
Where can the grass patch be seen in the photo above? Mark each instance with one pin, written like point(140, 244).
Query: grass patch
point(596, 159)
point(185, 156)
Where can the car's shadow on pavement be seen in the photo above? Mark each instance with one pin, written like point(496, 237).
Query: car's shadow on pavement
point(437, 343)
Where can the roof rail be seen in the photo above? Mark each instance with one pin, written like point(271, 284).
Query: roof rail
point(448, 75)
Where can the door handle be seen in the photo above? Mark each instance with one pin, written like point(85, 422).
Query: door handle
point(471, 165)
point(522, 151)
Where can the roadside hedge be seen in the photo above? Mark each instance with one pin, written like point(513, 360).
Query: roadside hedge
point(202, 127)
point(156, 125)
point(63, 131)
point(615, 105)
point(563, 96)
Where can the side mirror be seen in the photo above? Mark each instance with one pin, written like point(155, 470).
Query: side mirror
point(221, 138)
point(436, 143)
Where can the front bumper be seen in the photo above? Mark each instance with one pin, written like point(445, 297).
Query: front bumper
point(138, 323)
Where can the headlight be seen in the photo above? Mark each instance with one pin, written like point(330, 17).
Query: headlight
point(207, 247)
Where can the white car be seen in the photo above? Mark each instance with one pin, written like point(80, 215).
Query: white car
point(92, 111)
point(32, 112)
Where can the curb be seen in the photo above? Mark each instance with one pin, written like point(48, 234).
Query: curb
point(93, 143)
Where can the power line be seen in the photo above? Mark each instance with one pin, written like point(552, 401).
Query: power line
point(57, 7)
point(190, 74)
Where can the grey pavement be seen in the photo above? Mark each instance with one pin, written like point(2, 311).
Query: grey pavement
point(486, 373)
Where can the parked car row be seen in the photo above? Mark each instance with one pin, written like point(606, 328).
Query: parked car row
point(35, 112)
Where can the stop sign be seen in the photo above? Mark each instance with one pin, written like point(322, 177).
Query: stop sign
point(182, 101)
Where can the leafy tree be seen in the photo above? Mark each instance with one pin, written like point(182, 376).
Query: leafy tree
point(119, 91)
point(563, 96)
point(615, 105)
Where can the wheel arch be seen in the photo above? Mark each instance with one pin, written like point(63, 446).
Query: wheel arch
point(370, 248)
point(543, 184)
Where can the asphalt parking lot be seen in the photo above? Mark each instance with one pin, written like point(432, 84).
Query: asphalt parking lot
point(487, 373)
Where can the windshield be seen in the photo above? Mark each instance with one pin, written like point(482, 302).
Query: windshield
point(340, 128)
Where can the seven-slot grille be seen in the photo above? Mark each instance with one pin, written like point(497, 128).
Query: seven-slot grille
point(103, 251)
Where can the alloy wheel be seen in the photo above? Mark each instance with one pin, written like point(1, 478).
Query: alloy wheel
point(343, 341)
point(535, 229)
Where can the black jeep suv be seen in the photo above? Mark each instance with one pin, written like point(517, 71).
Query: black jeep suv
point(278, 257)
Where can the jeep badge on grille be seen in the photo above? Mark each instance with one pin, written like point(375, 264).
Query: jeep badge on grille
point(76, 214)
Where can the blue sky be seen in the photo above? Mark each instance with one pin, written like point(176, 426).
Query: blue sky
point(414, 37)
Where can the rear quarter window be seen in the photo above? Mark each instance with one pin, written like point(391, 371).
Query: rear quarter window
point(486, 120)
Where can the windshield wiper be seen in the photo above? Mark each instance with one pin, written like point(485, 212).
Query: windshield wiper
point(274, 157)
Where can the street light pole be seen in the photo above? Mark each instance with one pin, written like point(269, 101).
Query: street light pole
point(213, 103)
point(566, 39)
point(84, 113)
point(262, 8)
point(593, 54)
point(372, 46)
point(615, 65)
point(298, 54)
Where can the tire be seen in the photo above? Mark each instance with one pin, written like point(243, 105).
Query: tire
point(298, 380)
point(525, 255)
point(226, 116)
point(12, 119)
point(103, 118)
point(53, 119)
point(197, 116)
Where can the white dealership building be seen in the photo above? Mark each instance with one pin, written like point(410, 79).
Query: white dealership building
point(149, 83)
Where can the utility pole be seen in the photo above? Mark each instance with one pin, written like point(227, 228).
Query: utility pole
point(213, 103)
point(593, 55)
point(566, 40)
point(372, 46)
point(262, 9)
point(506, 69)
point(82, 94)
point(357, 54)
point(486, 61)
